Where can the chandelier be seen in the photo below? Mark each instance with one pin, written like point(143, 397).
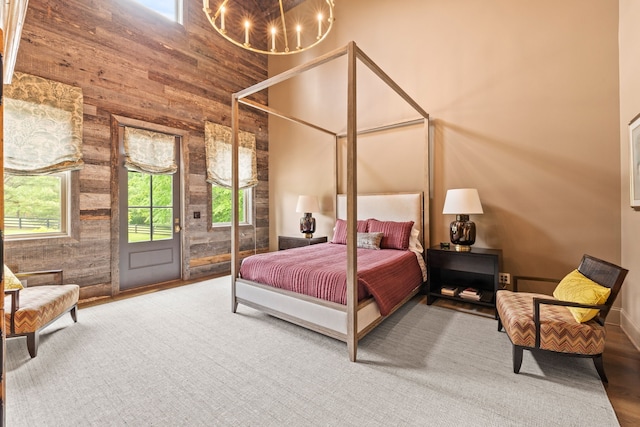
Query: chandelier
point(261, 25)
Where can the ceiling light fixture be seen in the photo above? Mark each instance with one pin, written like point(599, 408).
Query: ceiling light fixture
point(264, 29)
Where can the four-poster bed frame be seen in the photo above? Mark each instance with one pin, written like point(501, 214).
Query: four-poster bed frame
point(354, 312)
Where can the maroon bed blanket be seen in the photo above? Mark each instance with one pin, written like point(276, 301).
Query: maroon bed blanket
point(389, 275)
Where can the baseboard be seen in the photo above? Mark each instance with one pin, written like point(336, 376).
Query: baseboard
point(630, 329)
point(613, 317)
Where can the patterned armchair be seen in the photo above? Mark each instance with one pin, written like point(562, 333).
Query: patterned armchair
point(539, 322)
point(29, 309)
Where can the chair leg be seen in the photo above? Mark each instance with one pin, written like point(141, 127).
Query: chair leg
point(74, 313)
point(597, 360)
point(32, 343)
point(499, 324)
point(517, 358)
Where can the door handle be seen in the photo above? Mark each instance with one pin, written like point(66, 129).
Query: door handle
point(177, 228)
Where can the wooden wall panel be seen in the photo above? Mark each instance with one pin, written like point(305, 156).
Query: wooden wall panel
point(132, 62)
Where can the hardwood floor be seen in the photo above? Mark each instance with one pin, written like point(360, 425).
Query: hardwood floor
point(622, 365)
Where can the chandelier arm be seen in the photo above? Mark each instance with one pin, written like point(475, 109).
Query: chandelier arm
point(284, 28)
point(223, 4)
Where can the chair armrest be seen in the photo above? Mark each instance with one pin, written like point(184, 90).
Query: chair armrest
point(15, 298)
point(15, 306)
point(532, 279)
point(42, 273)
point(536, 311)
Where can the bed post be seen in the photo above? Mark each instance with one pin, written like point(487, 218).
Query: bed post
point(235, 229)
point(352, 211)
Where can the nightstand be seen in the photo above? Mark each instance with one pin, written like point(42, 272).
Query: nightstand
point(450, 272)
point(285, 242)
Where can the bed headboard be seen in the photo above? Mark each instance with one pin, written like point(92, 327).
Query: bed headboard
point(387, 207)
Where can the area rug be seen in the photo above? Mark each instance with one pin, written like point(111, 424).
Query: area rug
point(180, 357)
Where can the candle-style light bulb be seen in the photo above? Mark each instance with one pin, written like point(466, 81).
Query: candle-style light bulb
point(319, 25)
point(273, 39)
point(222, 18)
point(298, 29)
point(247, 24)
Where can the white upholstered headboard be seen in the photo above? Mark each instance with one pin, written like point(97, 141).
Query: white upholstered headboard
point(387, 207)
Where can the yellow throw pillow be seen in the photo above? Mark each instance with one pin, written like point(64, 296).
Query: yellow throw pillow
point(576, 287)
point(10, 280)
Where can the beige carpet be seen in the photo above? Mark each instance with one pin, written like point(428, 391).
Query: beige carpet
point(180, 357)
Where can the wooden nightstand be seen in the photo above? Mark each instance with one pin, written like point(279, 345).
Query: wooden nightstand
point(285, 242)
point(478, 269)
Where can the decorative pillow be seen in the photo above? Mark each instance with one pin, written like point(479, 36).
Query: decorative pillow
point(340, 231)
point(10, 279)
point(576, 287)
point(396, 234)
point(369, 240)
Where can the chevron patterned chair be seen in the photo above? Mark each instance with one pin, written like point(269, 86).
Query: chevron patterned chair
point(29, 309)
point(569, 323)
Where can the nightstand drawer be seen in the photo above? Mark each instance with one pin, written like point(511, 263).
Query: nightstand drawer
point(462, 261)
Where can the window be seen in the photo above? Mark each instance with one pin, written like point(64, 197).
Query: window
point(36, 206)
point(150, 208)
point(42, 145)
point(221, 206)
point(171, 9)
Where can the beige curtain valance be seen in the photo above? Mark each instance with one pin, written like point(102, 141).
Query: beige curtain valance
point(42, 126)
point(218, 146)
point(149, 151)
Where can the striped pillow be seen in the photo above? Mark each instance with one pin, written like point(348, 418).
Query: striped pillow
point(340, 231)
point(396, 234)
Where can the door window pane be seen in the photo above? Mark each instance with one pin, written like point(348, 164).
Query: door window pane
point(150, 209)
point(139, 225)
point(162, 190)
point(162, 223)
point(139, 184)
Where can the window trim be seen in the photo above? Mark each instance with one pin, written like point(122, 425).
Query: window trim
point(178, 9)
point(69, 212)
point(248, 209)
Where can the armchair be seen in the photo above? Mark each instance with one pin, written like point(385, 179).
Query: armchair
point(539, 322)
point(30, 309)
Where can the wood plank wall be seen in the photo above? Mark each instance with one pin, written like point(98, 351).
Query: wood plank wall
point(132, 62)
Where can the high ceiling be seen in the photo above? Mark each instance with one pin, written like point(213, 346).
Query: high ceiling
point(270, 7)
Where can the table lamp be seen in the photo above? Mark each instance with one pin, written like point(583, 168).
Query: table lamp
point(462, 202)
point(307, 205)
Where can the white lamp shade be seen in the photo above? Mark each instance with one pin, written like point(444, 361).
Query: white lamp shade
point(307, 204)
point(462, 201)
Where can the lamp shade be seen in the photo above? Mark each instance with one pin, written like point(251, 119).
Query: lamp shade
point(307, 204)
point(462, 201)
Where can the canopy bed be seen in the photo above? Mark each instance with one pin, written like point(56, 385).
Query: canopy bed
point(351, 318)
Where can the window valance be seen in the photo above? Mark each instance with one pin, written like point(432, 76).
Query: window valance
point(42, 126)
point(218, 147)
point(149, 151)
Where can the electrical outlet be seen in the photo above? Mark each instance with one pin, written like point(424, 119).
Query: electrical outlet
point(504, 278)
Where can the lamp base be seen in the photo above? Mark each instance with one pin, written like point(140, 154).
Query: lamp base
point(462, 233)
point(462, 248)
point(307, 225)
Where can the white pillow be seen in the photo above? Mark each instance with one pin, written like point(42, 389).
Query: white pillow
point(414, 243)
